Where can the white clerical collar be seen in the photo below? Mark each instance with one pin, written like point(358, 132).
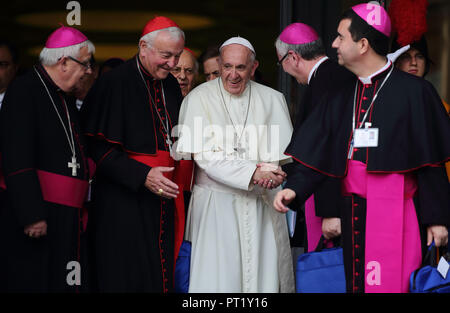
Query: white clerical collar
point(2, 95)
point(368, 80)
point(315, 67)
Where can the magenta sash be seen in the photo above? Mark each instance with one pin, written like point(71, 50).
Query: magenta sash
point(393, 248)
point(313, 224)
point(62, 189)
point(59, 189)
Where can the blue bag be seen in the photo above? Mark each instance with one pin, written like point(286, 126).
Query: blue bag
point(427, 279)
point(321, 271)
point(182, 268)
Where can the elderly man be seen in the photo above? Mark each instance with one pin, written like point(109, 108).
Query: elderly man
point(186, 71)
point(129, 114)
point(230, 125)
point(45, 169)
point(388, 146)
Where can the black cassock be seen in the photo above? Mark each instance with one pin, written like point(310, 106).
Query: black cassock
point(413, 127)
point(327, 197)
point(131, 229)
point(33, 139)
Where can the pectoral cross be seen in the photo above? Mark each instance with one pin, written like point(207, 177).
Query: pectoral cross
point(74, 165)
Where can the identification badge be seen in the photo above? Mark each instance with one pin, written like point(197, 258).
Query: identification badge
point(365, 137)
point(443, 267)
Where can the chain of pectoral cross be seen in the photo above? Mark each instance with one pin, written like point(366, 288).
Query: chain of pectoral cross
point(73, 164)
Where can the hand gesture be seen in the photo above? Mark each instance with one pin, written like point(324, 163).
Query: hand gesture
point(157, 183)
point(283, 198)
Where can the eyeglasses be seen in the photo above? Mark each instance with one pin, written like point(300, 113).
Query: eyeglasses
point(282, 59)
point(87, 65)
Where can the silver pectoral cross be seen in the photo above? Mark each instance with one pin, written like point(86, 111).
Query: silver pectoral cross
point(74, 165)
point(239, 149)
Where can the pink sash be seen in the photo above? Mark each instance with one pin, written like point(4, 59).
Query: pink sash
point(393, 248)
point(62, 189)
point(313, 224)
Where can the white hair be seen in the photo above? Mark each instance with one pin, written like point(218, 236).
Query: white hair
point(51, 56)
point(307, 51)
point(175, 32)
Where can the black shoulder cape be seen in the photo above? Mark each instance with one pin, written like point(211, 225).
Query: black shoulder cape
point(413, 129)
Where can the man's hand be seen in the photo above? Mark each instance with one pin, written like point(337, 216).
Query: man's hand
point(331, 227)
point(36, 230)
point(283, 198)
point(268, 175)
point(439, 234)
point(155, 182)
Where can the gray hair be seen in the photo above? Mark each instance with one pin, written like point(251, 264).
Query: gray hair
point(307, 51)
point(175, 32)
point(51, 56)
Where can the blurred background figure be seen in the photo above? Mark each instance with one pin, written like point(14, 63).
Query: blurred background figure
point(186, 71)
point(410, 25)
point(110, 64)
point(9, 64)
point(416, 60)
point(209, 60)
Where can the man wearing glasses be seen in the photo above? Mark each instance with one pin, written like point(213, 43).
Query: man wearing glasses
point(45, 170)
point(301, 53)
point(137, 220)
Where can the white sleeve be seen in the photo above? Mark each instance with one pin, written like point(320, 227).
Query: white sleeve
point(233, 172)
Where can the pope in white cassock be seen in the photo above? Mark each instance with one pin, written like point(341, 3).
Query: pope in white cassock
point(236, 130)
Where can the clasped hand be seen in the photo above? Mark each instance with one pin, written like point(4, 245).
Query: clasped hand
point(268, 175)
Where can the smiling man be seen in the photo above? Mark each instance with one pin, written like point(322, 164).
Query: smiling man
point(45, 168)
point(129, 114)
point(238, 244)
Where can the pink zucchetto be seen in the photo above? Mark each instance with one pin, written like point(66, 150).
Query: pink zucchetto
point(298, 34)
point(65, 37)
point(374, 15)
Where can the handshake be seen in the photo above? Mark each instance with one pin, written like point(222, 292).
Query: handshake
point(268, 175)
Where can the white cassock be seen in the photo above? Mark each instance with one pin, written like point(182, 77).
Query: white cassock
point(239, 242)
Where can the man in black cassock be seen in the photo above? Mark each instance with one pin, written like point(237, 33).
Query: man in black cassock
point(128, 115)
point(389, 124)
point(45, 168)
point(302, 55)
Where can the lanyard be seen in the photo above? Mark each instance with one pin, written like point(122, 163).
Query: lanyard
point(370, 106)
point(350, 151)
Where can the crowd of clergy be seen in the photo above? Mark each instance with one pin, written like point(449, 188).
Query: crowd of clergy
point(106, 171)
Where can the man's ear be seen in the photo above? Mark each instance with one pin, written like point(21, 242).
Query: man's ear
point(62, 63)
point(142, 44)
point(255, 66)
point(364, 45)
